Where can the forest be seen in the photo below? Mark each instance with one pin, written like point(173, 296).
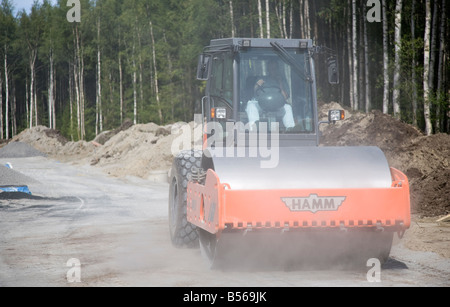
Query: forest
point(83, 67)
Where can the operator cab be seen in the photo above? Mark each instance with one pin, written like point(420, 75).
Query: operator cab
point(261, 81)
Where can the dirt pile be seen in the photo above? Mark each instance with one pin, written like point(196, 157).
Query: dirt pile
point(51, 143)
point(138, 150)
point(144, 149)
point(424, 159)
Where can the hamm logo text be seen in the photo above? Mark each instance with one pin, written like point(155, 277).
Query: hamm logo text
point(313, 203)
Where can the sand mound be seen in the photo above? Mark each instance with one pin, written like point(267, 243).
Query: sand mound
point(19, 150)
point(141, 150)
point(424, 159)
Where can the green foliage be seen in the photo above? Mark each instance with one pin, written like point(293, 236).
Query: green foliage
point(121, 29)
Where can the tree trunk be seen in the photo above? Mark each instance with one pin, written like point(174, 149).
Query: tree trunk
point(397, 42)
point(385, 60)
point(134, 83)
point(13, 112)
point(99, 115)
point(366, 62)
point(361, 56)
point(35, 101)
point(1, 107)
point(306, 20)
point(291, 18)
point(141, 69)
point(170, 71)
point(279, 18)
point(54, 96)
point(120, 81)
point(433, 45)
point(280, 10)
point(77, 96)
point(82, 100)
point(79, 85)
point(111, 94)
point(76, 79)
point(268, 18)
point(6, 98)
point(350, 61)
point(71, 99)
point(32, 62)
point(26, 102)
point(355, 57)
point(51, 103)
point(440, 90)
point(232, 19)
point(426, 69)
point(431, 79)
point(156, 74)
point(284, 19)
point(301, 23)
point(413, 65)
point(261, 30)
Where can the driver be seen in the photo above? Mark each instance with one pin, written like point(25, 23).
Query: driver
point(271, 93)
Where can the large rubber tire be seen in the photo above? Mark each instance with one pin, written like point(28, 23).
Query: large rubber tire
point(182, 233)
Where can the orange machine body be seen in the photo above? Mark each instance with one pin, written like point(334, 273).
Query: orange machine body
point(214, 206)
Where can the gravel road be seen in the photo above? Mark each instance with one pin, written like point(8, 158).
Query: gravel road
point(83, 228)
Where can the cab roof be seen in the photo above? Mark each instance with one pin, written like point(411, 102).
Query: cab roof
point(237, 43)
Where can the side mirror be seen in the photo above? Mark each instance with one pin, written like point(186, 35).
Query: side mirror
point(335, 115)
point(203, 67)
point(333, 71)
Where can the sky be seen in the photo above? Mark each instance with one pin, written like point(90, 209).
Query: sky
point(26, 4)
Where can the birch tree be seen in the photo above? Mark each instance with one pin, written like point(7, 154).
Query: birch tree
point(31, 31)
point(51, 89)
point(439, 89)
point(413, 65)
point(426, 69)
point(260, 19)
point(98, 113)
point(1, 107)
point(232, 19)
point(119, 55)
point(48, 48)
point(434, 18)
point(348, 26)
point(366, 63)
point(79, 80)
point(306, 20)
point(397, 43)
point(302, 30)
point(355, 57)
point(268, 18)
point(7, 36)
point(6, 96)
point(158, 102)
point(134, 73)
point(385, 60)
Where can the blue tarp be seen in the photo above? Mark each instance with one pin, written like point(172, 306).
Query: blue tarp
point(23, 189)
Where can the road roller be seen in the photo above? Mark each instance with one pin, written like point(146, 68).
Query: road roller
point(258, 188)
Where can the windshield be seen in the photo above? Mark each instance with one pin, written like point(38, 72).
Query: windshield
point(272, 90)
